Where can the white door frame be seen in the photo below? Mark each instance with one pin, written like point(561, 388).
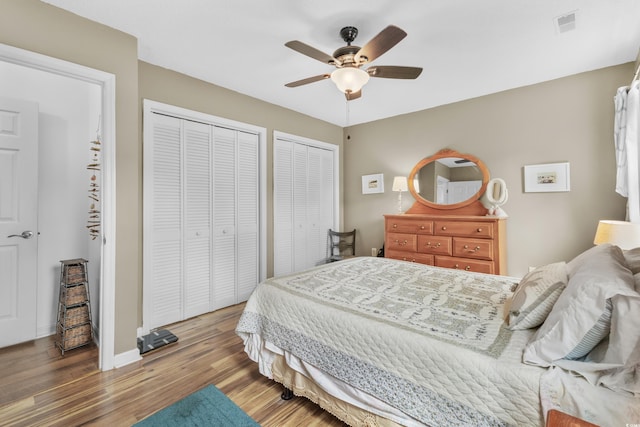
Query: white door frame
point(107, 82)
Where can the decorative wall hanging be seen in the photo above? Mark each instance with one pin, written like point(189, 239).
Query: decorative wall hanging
point(93, 222)
point(547, 178)
point(373, 183)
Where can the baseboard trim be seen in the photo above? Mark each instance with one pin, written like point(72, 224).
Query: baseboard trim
point(123, 359)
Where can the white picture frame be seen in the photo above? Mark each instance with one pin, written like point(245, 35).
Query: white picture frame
point(373, 184)
point(546, 178)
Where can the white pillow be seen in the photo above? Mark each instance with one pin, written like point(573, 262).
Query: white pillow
point(580, 319)
point(535, 296)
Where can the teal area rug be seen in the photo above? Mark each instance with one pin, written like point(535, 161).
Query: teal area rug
point(206, 407)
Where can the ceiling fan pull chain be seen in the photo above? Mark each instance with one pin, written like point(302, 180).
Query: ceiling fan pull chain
point(346, 103)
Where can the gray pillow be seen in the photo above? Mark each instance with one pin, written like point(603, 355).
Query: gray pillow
point(632, 256)
point(535, 296)
point(581, 317)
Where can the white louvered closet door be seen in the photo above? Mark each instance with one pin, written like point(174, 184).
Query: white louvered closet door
point(197, 215)
point(201, 219)
point(303, 205)
point(282, 207)
point(300, 220)
point(248, 230)
point(165, 231)
point(319, 203)
point(235, 216)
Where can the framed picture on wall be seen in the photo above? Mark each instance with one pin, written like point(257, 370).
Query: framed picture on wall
point(545, 178)
point(372, 184)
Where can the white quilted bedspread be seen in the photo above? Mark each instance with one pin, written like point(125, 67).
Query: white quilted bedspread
point(428, 341)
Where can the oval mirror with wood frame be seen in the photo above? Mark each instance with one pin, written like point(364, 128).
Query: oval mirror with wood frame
point(449, 180)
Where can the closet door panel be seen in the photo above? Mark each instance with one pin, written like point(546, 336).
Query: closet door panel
point(326, 179)
point(300, 220)
point(248, 215)
point(197, 207)
point(282, 207)
point(166, 218)
point(316, 233)
point(224, 217)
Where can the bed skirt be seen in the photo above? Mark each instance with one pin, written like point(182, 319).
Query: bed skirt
point(303, 386)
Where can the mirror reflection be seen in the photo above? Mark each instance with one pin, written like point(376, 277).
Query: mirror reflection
point(448, 178)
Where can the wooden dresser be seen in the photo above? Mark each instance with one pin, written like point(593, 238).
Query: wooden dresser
point(472, 243)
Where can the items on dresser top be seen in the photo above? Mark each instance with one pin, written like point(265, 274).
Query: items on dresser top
point(472, 243)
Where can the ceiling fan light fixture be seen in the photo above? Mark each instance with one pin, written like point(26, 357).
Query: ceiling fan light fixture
point(349, 79)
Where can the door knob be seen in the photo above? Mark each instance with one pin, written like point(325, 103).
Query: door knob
point(25, 234)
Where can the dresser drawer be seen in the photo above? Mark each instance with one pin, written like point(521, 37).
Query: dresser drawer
point(417, 226)
point(411, 257)
point(465, 229)
point(473, 248)
point(401, 242)
point(438, 245)
point(465, 264)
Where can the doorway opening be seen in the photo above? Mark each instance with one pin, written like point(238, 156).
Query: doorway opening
point(77, 107)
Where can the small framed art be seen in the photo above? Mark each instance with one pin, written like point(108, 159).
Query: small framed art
point(372, 184)
point(550, 177)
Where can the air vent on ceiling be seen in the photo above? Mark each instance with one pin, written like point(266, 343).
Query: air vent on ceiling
point(566, 22)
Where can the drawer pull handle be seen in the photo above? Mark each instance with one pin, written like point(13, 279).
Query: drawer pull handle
point(479, 230)
point(467, 268)
point(401, 243)
point(434, 246)
point(422, 227)
point(395, 225)
point(476, 249)
point(444, 228)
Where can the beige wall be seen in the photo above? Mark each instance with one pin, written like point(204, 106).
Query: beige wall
point(569, 119)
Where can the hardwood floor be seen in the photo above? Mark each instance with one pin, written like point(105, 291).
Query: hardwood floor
point(40, 387)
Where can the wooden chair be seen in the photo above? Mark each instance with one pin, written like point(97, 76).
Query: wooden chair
point(342, 244)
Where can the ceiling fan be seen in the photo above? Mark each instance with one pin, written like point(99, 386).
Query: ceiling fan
point(348, 76)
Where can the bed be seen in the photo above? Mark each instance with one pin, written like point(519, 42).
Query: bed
point(381, 342)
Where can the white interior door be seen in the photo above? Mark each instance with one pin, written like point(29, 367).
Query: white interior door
point(459, 191)
point(18, 220)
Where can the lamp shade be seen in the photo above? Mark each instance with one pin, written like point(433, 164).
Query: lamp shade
point(400, 184)
point(623, 234)
point(349, 79)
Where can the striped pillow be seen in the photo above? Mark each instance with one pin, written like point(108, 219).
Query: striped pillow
point(592, 338)
point(535, 296)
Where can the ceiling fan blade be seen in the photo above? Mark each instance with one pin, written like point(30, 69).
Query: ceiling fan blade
point(394, 72)
point(311, 52)
point(385, 40)
point(308, 80)
point(353, 95)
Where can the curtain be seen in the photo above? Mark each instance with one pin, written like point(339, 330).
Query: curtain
point(627, 116)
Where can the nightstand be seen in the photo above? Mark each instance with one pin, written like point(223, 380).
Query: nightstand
point(556, 418)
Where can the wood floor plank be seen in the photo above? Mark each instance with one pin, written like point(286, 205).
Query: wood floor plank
point(41, 387)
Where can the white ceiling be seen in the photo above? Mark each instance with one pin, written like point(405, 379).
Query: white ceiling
point(467, 48)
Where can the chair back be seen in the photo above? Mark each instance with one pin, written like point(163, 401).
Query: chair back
point(341, 244)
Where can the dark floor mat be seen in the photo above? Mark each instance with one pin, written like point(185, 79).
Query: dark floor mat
point(155, 340)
